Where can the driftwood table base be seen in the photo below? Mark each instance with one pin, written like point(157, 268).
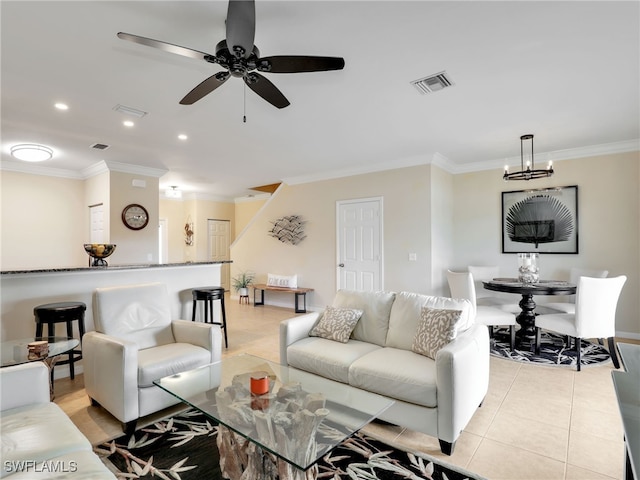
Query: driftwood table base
point(241, 459)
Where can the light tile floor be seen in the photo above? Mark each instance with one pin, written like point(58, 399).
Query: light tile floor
point(536, 423)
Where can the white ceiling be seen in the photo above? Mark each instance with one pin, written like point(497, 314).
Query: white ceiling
point(568, 72)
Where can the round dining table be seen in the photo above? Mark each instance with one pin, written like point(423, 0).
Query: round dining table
point(527, 316)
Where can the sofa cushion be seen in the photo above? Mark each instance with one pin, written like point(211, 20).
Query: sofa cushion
point(436, 329)
point(376, 307)
point(158, 362)
point(406, 311)
point(336, 324)
point(37, 433)
point(398, 374)
point(327, 358)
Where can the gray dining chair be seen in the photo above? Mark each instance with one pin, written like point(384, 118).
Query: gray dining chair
point(594, 317)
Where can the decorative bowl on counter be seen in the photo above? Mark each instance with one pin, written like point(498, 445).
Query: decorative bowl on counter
point(99, 251)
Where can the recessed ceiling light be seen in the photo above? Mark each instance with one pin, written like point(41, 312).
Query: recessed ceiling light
point(128, 123)
point(182, 136)
point(61, 106)
point(31, 152)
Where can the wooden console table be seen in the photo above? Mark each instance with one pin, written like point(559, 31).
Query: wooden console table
point(298, 292)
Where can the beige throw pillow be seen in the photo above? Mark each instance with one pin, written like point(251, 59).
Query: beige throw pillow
point(336, 324)
point(436, 329)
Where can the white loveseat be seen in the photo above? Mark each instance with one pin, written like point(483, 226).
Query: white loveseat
point(39, 441)
point(437, 397)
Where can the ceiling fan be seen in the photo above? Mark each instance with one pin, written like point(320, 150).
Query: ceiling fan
point(241, 58)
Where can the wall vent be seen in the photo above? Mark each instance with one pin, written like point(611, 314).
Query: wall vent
point(99, 146)
point(433, 83)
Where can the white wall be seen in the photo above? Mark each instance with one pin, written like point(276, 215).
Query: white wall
point(44, 222)
point(608, 218)
point(406, 230)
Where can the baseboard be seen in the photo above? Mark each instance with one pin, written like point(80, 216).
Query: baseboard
point(271, 303)
point(629, 335)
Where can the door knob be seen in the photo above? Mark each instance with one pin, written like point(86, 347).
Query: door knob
point(341, 265)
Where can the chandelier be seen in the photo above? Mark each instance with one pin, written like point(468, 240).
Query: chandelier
point(527, 169)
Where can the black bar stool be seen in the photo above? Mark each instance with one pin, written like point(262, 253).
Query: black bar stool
point(61, 312)
point(209, 294)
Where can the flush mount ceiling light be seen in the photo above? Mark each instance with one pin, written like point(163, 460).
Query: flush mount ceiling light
point(173, 192)
point(31, 152)
point(527, 169)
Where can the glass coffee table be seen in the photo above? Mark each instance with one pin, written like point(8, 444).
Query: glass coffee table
point(16, 352)
point(283, 433)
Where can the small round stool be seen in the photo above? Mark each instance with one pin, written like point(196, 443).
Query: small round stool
point(209, 294)
point(61, 312)
point(243, 299)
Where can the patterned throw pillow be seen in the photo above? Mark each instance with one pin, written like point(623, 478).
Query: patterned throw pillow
point(336, 324)
point(436, 329)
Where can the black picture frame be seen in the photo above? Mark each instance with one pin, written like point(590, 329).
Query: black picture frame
point(541, 220)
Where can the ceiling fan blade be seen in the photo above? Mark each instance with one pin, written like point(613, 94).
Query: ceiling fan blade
point(266, 90)
point(167, 47)
point(241, 27)
point(205, 88)
point(296, 63)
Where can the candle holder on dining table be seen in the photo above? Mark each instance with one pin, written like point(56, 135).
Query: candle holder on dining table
point(528, 268)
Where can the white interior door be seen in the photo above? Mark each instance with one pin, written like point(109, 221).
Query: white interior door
point(359, 241)
point(96, 213)
point(219, 241)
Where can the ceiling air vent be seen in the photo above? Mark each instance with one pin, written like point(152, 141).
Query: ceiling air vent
point(99, 146)
point(433, 83)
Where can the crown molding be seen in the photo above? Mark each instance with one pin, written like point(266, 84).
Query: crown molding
point(350, 172)
point(555, 156)
point(34, 169)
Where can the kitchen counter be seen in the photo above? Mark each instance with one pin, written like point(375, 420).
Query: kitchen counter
point(22, 290)
point(108, 268)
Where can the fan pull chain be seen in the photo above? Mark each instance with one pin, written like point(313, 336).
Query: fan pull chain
point(244, 104)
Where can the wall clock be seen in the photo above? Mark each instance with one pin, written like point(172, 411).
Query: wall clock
point(135, 216)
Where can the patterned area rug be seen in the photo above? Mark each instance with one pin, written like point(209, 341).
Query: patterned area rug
point(184, 448)
point(553, 351)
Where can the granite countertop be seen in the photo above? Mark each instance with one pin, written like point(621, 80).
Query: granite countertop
point(111, 268)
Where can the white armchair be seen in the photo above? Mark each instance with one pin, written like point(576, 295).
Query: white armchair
point(461, 285)
point(594, 317)
point(136, 342)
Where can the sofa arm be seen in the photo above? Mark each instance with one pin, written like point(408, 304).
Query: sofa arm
point(462, 380)
point(295, 329)
point(26, 384)
point(111, 374)
point(203, 335)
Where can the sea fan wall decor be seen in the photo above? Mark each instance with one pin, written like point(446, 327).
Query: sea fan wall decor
point(539, 219)
point(289, 229)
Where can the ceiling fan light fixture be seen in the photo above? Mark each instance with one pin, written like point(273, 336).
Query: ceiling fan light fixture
point(31, 152)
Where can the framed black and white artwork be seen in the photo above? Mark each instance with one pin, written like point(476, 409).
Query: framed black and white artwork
point(542, 221)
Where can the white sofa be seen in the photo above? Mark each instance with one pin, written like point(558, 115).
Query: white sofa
point(39, 441)
point(437, 397)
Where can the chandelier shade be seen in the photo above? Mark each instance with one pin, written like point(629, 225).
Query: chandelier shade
point(527, 168)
